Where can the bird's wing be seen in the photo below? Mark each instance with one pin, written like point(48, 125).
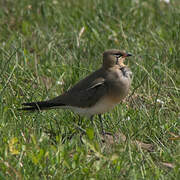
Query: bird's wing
point(84, 97)
point(79, 97)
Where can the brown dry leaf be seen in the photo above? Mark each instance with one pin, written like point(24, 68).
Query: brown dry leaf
point(175, 137)
point(148, 147)
point(168, 165)
point(121, 136)
point(110, 139)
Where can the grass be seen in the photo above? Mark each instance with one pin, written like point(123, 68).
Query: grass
point(47, 46)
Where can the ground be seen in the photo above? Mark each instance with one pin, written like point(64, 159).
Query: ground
point(48, 46)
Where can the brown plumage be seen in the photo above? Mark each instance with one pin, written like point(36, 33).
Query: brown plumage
point(98, 92)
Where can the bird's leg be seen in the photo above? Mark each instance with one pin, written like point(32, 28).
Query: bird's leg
point(91, 118)
point(79, 120)
point(100, 118)
point(80, 124)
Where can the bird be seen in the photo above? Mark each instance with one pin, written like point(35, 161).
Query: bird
point(97, 93)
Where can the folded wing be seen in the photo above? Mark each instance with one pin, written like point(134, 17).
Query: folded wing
point(78, 97)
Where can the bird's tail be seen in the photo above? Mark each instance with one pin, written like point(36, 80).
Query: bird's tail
point(42, 105)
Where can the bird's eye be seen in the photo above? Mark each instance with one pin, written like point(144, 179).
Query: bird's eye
point(117, 55)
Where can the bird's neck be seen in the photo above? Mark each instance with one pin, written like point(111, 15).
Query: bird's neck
point(126, 71)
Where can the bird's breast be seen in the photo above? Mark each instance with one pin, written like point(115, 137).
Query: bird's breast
point(119, 84)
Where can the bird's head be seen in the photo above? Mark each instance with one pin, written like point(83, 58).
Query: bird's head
point(114, 57)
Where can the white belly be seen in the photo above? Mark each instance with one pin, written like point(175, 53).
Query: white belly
point(100, 107)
